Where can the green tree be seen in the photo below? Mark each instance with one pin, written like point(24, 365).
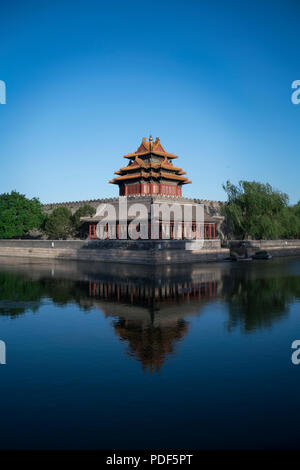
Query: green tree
point(18, 215)
point(59, 224)
point(291, 221)
point(84, 211)
point(256, 210)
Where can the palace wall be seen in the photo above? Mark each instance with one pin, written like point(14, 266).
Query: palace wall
point(212, 208)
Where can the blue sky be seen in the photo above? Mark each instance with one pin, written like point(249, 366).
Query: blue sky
point(86, 80)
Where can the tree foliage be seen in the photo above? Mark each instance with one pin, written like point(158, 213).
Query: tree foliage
point(84, 211)
point(59, 224)
point(257, 211)
point(18, 215)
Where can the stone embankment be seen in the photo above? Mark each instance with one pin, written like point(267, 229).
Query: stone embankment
point(151, 252)
point(117, 251)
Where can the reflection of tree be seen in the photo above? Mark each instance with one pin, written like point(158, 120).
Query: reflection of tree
point(18, 294)
point(152, 344)
point(257, 303)
point(63, 291)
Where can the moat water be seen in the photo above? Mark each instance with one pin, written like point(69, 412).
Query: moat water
point(128, 357)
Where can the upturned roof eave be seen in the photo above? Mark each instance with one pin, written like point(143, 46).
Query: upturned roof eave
point(150, 152)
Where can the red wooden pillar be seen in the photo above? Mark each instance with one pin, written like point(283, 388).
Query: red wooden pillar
point(194, 230)
point(209, 233)
point(94, 227)
point(214, 226)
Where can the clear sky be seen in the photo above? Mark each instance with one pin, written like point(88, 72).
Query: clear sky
point(86, 80)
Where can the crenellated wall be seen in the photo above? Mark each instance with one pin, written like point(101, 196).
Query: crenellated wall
point(212, 208)
point(74, 205)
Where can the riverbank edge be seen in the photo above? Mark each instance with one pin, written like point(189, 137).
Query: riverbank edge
point(115, 251)
point(135, 252)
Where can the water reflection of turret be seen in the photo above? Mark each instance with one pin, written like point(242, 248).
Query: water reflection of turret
point(255, 294)
point(151, 318)
point(150, 345)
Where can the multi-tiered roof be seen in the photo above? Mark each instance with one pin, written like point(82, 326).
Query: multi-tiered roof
point(152, 168)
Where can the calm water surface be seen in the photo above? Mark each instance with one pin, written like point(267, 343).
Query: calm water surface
point(128, 357)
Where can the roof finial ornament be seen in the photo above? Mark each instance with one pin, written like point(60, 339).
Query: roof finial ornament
point(150, 138)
